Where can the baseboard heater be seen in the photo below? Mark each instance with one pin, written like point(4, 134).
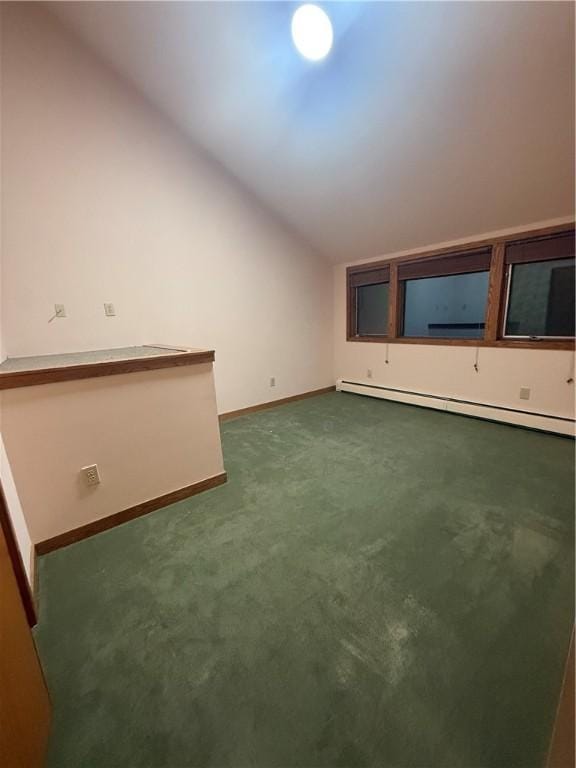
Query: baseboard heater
point(557, 424)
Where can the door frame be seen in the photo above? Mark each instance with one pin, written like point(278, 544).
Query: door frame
point(17, 562)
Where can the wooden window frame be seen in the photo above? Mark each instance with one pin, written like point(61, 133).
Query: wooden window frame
point(495, 305)
point(513, 260)
point(368, 274)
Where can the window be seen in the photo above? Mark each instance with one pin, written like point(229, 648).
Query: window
point(372, 309)
point(369, 298)
point(540, 283)
point(451, 307)
point(510, 291)
point(445, 298)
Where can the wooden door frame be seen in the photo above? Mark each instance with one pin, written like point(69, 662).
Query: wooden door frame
point(561, 753)
point(17, 563)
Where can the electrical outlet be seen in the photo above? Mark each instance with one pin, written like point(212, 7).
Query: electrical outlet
point(59, 310)
point(109, 310)
point(272, 381)
point(91, 474)
point(524, 393)
point(369, 373)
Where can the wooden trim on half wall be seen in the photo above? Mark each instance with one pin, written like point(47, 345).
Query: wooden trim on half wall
point(51, 374)
point(118, 518)
point(274, 403)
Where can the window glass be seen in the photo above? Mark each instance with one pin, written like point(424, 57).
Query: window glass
point(541, 299)
point(450, 307)
point(372, 310)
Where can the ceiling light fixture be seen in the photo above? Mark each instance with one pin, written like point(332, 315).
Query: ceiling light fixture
point(312, 32)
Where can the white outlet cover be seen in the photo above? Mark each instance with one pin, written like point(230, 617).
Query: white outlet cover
point(59, 310)
point(109, 309)
point(524, 393)
point(91, 474)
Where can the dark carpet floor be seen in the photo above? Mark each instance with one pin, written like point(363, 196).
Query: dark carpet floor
point(377, 585)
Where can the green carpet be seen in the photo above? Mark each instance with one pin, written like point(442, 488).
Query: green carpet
point(377, 585)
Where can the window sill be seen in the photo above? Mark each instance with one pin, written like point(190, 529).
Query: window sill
point(566, 344)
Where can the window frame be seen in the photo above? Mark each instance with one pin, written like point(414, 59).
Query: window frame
point(496, 304)
point(367, 274)
point(509, 268)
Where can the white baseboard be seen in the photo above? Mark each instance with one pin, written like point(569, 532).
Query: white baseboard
point(542, 422)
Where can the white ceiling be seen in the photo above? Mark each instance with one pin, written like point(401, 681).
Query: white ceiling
point(427, 122)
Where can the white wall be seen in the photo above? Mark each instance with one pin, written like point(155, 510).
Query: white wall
point(12, 500)
point(103, 200)
point(19, 524)
point(2, 354)
point(149, 432)
point(448, 371)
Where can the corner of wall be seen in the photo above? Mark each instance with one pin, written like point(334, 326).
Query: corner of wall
point(21, 532)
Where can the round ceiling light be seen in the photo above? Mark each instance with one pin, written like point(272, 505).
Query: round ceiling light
point(312, 32)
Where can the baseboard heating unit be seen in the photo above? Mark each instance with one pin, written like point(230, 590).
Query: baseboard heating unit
point(540, 421)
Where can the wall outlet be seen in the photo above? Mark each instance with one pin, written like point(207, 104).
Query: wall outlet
point(272, 381)
point(369, 373)
point(524, 393)
point(91, 474)
point(109, 310)
point(59, 310)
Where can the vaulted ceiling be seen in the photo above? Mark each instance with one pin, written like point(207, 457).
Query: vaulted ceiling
point(428, 121)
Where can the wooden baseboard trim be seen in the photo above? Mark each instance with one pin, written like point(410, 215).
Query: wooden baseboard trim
point(111, 521)
point(274, 403)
